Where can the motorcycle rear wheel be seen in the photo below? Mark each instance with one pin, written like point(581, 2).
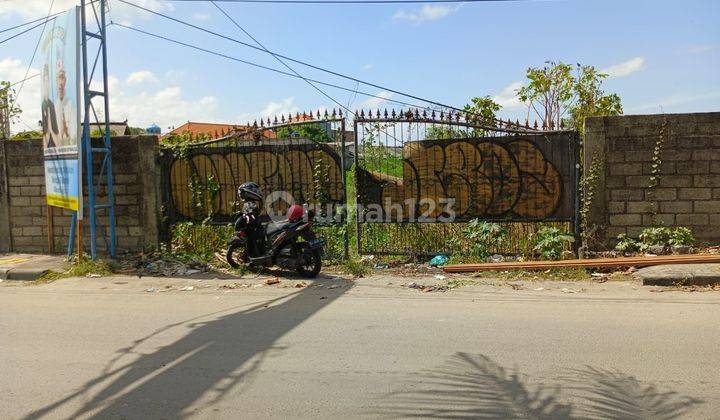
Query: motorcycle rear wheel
point(236, 255)
point(313, 262)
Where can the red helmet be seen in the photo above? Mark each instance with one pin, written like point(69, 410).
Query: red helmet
point(295, 212)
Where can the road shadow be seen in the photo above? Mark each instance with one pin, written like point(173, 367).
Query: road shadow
point(614, 395)
point(215, 357)
point(474, 386)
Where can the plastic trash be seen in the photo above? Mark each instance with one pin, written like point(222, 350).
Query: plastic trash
point(438, 260)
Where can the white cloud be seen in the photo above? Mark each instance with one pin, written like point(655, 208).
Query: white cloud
point(39, 8)
point(625, 68)
point(507, 98)
point(368, 67)
point(141, 77)
point(699, 49)
point(174, 75)
point(165, 105)
point(13, 70)
point(201, 16)
point(659, 106)
point(373, 102)
point(426, 13)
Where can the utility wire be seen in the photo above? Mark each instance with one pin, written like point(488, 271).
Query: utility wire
point(38, 19)
point(27, 78)
point(25, 31)
point(290, 68)
point(299, 61)
point(250, 63)
point(352, 1)
point(278, 58)
point(30, 22)
point(32, 58)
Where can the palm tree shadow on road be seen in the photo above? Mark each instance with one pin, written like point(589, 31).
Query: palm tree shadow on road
point(474, 386)
point(166, 383)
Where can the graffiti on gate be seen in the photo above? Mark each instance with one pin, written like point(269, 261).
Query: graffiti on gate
point(205, 182)
point(508, 178)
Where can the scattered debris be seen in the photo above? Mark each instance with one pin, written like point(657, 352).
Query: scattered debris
point(516, 286)
point(151, 290)
point(438, 260)
point(539, 289)
point(440, 277)
point(427, 288)
point(333, 286)
point(93, 275)
point(300, 285)
point(367, 258)
point(272, 281)
point(566, 290)
point(495, 258)
point(381, 265)
point(187, 288)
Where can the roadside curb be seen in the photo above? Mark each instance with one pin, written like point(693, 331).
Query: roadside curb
point(25, 274)
point(680, 275)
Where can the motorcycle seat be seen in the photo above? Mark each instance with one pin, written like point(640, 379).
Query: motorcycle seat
point(275, 227)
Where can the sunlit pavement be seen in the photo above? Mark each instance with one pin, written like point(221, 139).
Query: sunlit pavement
point(132, 348)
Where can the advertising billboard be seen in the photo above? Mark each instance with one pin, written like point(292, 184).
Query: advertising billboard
point(61, 111)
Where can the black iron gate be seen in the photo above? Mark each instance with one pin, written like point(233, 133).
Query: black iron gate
point(295, 159)
point(421, 176)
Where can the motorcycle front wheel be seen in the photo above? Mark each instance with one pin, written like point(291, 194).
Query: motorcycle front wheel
point(236, 254)
point(311, 263)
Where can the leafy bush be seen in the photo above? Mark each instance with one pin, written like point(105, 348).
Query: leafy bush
point(681, 236)
point(485, 237)
point(627, 245)
point(665, 236)
point(549, 242)
point(656, 236)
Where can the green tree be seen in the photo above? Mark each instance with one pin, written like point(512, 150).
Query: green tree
point(31, 134)
point(591, 99)
point(315, 132)
point(134, 131)
point(556, 94)
point(8, 110)
point(481, 111)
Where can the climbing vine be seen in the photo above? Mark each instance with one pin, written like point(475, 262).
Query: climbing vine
point(589, 186)
point(655, 170)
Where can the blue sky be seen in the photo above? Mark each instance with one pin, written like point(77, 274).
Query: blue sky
point(663, 55)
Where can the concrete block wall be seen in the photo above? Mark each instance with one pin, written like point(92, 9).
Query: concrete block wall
point(688, 188)
point(23, 212)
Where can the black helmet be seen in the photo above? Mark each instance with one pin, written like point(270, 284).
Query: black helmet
point(250, 191)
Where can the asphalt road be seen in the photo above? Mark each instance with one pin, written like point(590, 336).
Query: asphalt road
point(107, 348)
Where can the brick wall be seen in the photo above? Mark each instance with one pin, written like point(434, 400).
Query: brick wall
point(688, 189)
point(23, 213)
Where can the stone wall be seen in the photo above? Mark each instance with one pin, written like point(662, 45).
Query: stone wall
point(688, 185)
point(23, 213)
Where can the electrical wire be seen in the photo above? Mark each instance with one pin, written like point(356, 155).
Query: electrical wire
point(439, 104)
point(38, 19)
point(350, 1)
point(27, 78)
point(32, 58)
point(279, 59)
point(25, 31)
point(30, 22)
point(250, 63)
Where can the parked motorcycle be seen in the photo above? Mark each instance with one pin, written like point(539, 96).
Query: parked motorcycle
point(264, 243)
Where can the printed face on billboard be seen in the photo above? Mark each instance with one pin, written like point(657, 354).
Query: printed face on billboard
point(61, 111)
